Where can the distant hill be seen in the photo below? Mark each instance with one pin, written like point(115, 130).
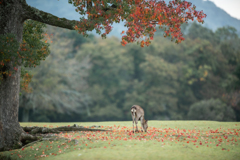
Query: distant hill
point(216, 17)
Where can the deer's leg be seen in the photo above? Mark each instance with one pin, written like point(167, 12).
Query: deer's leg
point(141, 123)
point(136, 122)
point(133, 125)
point(133, 118)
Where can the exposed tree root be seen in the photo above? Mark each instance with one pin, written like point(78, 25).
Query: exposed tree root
point(45, 130)
point(42, 130)
point(28, 138)
point(36, 134)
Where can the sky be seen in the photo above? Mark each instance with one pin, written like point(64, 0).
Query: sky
point(232, 7)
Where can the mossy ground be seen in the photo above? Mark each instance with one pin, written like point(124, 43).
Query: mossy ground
point(164, 140)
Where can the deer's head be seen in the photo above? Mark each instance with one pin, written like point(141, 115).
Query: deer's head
point(145, 125)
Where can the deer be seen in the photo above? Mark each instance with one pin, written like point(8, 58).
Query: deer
point(138, 114)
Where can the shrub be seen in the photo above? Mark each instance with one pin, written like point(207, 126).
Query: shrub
point(212, 109)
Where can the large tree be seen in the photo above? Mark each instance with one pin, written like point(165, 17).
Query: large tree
point(141, 18)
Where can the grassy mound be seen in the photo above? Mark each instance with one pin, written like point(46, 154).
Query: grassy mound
point(164, 140)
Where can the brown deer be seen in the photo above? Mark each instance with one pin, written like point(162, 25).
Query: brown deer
point(138, 114)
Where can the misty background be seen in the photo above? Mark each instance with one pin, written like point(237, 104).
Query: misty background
point(90, 79)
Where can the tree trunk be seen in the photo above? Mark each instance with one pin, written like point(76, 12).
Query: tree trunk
point(11, 21)
point(13, 13)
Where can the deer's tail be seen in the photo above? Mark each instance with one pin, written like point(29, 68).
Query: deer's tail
point(133, 109)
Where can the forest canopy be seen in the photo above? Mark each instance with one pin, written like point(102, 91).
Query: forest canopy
point(88, 79)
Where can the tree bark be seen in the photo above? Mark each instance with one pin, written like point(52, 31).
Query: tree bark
point(11, 21)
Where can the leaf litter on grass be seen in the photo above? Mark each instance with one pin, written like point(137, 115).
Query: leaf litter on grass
point(191, 138)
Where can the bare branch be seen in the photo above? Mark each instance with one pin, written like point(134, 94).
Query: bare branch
point(47, 18)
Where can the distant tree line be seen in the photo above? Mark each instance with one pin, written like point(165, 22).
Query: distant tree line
point(88, 79)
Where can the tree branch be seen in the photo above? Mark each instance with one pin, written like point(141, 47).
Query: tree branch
point(112, 7)
point(47, 18)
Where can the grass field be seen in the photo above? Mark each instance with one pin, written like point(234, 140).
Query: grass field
point(164, 140)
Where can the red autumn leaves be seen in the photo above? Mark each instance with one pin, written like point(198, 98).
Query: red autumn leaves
point(146, 15)
point(141, 18)
point(209, 138)
point(222, 138)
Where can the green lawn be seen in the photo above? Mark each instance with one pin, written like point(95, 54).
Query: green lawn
point(164, 140)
